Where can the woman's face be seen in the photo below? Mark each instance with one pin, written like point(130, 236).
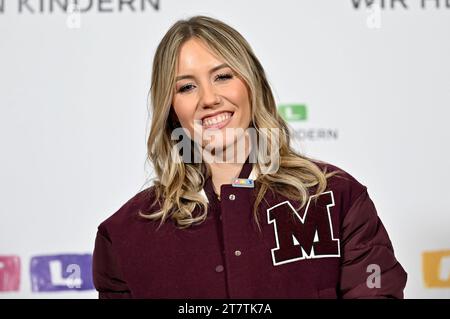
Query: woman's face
point(209, 97)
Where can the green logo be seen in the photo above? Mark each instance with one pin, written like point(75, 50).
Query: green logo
point(293, 112)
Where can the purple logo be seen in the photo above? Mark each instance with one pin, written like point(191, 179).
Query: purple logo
point(61, 272)
point(9, 273)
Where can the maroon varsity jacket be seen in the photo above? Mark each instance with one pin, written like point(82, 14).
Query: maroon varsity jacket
point(329, 249)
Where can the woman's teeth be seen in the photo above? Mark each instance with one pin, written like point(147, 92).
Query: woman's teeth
point(219, 118)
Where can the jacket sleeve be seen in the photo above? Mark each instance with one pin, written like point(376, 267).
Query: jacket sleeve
point(369, 268)
point(107, 276)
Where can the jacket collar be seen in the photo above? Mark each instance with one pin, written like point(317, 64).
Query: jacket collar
point(248, 170)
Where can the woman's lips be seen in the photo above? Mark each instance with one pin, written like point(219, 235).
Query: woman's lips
point(219, 125)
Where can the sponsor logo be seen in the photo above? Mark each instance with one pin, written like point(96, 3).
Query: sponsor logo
point(400, 4)
point(293, 112)
point(9, 273)
point(436, 268)
point(61, 272)
point(298, 114)
point(30, 7)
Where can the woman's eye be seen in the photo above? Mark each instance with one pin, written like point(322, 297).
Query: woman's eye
point(185, 88)
point(219, 77)
point(224, 76)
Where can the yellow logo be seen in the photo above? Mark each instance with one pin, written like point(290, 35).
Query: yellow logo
point(436, 268)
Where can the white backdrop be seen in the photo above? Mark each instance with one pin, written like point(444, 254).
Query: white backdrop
point(74, 120)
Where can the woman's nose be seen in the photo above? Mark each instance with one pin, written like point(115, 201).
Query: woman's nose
point(209, 96)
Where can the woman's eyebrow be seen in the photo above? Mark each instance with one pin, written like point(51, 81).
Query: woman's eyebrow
point(187, 76)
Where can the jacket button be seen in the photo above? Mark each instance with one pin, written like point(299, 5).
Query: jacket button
point(237, 252)
point(219, 268)
point(231, 197)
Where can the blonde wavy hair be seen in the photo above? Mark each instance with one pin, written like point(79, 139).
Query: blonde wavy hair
point(178, 184)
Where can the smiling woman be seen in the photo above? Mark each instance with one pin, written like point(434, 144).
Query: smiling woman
point(231, 229)
point(209, 91)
